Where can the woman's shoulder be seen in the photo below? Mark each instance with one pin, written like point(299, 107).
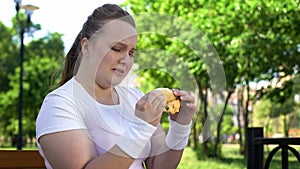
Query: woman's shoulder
point(61, 102)
point(64, 92)
point(59, 112)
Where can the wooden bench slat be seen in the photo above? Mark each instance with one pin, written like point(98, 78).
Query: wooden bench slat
point(21, 159)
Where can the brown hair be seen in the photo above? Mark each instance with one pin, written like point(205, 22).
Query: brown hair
point(93, 23)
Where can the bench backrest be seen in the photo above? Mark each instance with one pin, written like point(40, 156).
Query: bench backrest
point(21, 159)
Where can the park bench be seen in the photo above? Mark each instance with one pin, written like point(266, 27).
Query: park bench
point(18, 159)
point(256, 142)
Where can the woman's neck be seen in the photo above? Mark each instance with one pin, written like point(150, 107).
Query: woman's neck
point(107, 96)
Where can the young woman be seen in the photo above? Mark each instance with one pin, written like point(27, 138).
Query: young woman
point(92, 122)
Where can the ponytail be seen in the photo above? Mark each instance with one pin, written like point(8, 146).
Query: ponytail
point(70, 61)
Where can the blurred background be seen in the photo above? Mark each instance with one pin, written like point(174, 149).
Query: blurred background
point(257, 43)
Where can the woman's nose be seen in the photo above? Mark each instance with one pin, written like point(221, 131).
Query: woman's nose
point(124, 58)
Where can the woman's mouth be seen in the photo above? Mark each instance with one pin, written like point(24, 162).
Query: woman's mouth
point(118, 72)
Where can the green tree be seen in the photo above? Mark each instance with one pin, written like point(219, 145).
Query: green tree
point(262, 114)
point(283, 103)
point(38, 81)
point(9, 55)
point(256, 40)
point(42, 63)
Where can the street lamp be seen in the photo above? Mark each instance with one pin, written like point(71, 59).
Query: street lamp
point(29, 10)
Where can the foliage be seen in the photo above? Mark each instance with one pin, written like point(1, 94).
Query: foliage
point(42, 58)
point(37, 83)
point(255, 40)
point(8, 55)
point(227, 125)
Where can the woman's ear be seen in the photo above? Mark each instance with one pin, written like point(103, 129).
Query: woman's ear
point(84, 47)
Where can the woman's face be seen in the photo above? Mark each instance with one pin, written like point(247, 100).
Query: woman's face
point(117, 48)
point(117, 63)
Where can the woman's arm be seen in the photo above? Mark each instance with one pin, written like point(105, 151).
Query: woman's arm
point(167, 160)
point(74, 149)
point(162, 156)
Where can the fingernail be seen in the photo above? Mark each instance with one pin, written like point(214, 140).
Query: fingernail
point(176, 91)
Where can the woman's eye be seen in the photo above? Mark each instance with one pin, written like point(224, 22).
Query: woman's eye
point(116, 49)
point(131, 54)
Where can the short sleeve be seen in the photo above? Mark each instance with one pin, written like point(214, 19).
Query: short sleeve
point(58, 113)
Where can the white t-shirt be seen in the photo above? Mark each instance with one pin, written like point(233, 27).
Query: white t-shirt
point(70, 107)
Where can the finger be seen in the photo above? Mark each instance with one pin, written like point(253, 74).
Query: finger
point(152, 96)
point(192, 106)
point(143, 104)
point(146, 101)
point(159, 103)
point(180, 92)
point(187, 98)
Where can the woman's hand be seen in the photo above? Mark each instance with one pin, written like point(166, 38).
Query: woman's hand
point(187, 107)
point(150, 107)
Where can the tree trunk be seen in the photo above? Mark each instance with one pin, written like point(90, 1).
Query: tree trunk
point(196, 128)
point(240, 104)
point(204, 118)
point(267, 130)
point(195, 135)
point(217, 143)
point(285, 125)
point(246, 116)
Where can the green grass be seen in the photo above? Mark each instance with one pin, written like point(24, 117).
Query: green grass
point(230, 160)
point(8, 146)
point(14, 148)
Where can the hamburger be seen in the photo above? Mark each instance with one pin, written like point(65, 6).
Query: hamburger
point(173, 102)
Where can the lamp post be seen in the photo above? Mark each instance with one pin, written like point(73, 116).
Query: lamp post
point(29, 10)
